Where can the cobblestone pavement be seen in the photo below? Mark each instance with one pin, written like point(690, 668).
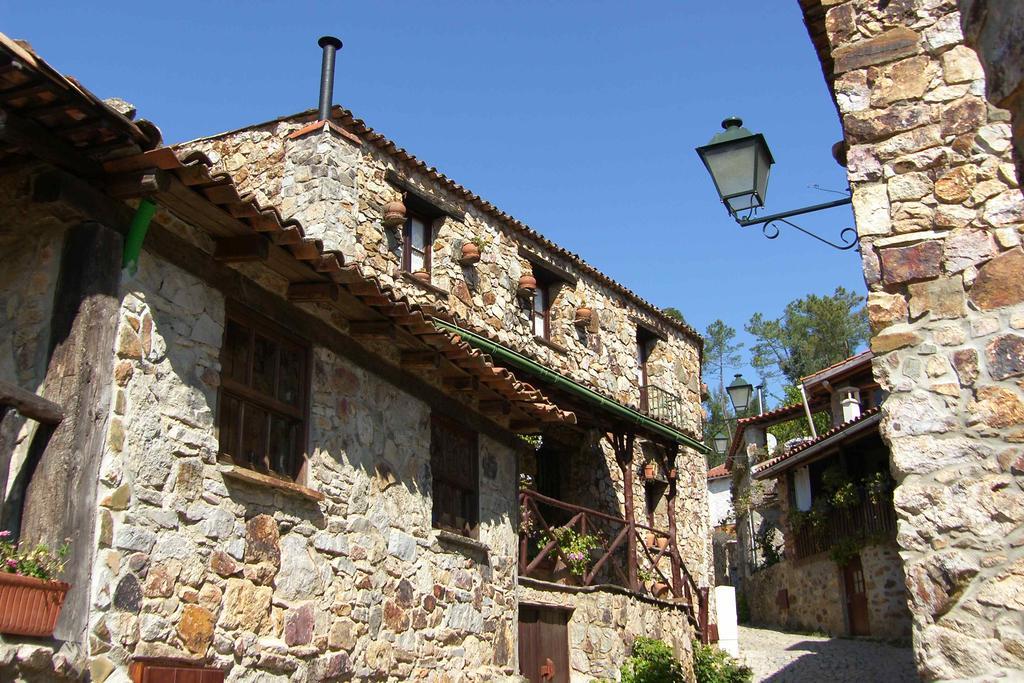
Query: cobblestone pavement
point(782, 657)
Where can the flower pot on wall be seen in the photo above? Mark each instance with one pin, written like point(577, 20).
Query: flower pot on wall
point(662, 542)
point(584, 316)
point(659, 589)
point(650, 471)
point(394, 214)
point(422, 276)
point(30, 606)
point(470, 254)
point(527, 285)
point(651, 538)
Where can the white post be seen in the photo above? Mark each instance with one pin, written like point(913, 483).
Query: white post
point(725, 610)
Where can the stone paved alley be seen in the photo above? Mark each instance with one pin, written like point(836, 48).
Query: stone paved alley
point(782, 657)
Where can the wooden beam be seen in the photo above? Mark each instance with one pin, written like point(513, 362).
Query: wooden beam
point(313, 291)
point(495, 407)
point(242, 248)
point(30, 405)
point(461, 383)
point(44, 144)
point(138, 184)
point(420, 359)
point(372, 328)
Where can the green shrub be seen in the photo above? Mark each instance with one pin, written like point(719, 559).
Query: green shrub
point(742, 608)
point(652, 662)
point(711, 665)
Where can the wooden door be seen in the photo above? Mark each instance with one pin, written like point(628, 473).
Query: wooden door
point(856, 598)
point(544, 645)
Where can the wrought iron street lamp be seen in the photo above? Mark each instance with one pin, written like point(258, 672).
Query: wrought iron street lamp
point(721, 442)
point(739, 162)
point(739, 393)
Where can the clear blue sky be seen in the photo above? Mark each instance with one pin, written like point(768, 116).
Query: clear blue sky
point(578, 118)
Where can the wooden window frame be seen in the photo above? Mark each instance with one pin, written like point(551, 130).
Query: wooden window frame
point(469, 483)
point(245, 393)
point(428, 241)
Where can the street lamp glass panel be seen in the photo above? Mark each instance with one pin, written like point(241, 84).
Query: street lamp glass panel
point(739, 162)
point(739, 393)
point(721, 442)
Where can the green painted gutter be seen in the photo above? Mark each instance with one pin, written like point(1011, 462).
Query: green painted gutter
point(562, 382)
point(137, 234)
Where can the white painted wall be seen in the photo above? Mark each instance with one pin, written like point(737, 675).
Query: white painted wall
point(719, 500)
point(728, 628)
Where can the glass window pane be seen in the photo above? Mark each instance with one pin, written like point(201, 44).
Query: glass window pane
point(538, 324)
point(417, 262)
point(540, 300)
point(254, 436)
point(419, 233)
point(264, 365)
point(291, 372)
point(235, 355)
point(282, 445)
point(230, 413)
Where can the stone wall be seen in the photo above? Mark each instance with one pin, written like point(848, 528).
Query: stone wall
point(939, 213)
point(264, 584)
point(816, 596)
point(339, 188)
point(604, 625)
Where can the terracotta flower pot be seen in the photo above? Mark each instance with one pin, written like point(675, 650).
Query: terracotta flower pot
point(659, 589)
point(527, 285)
point(30, 606)
point(394, 214)
point(422, 275)
point(651, 539)
point(650, 471)
point(584, 316)
point(662, 542)
point(470, 254)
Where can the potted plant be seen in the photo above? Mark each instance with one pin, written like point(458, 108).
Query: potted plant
point(659, 588)
point(30, 597)
point(394, 214)
point(527, 285)
point(650, 470)
point(584, 316)
point(471, 250)
point(575, 549)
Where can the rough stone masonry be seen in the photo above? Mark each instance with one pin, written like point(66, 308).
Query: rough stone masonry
point(940, 215)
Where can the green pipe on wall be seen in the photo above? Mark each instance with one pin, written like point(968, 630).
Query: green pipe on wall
point(137, 235)
point(562, 382)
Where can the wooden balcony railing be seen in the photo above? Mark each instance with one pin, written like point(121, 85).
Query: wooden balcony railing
point(865, 520)
point(609, 563)
point(661, 405)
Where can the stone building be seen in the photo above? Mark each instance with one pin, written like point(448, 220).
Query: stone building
point(289, 403)
point(929, 151)
point(830, 561)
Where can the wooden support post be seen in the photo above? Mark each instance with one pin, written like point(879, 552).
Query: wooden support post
point(60, 499)
point(702, 614)
point(143, 183)
point(671, 452)
point(622, 443)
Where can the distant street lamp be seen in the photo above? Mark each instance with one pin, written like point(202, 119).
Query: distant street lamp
point(739, 162)
point(739, 393)
point(721, 443)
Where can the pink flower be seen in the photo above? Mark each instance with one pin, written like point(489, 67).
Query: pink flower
point(5, 533)
point(13, 564)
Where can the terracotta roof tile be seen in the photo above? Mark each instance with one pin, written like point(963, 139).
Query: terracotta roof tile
point(355, 125)
point(761, 466)
point(719, 471)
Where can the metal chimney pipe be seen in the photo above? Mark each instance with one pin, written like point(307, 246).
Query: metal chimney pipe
point(331, 45)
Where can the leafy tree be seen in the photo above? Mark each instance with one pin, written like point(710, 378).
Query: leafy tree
point(812, 333)
point(673, 312)
point(721, 353)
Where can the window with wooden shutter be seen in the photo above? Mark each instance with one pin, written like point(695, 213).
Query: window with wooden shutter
point(263, 395)
point(454, 467)
point(161, 670)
